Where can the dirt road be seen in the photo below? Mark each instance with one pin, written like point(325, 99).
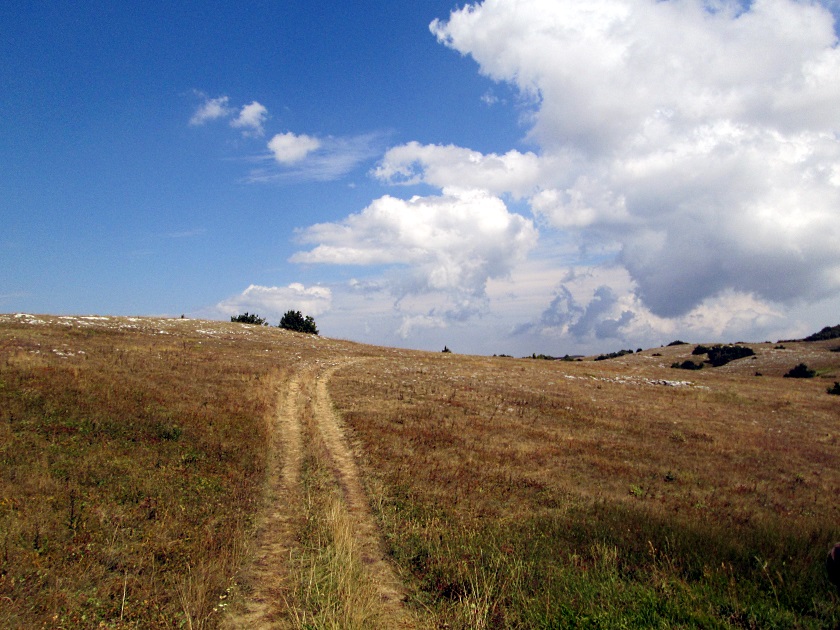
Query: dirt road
point(267, 600)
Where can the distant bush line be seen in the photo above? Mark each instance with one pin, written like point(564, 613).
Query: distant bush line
point(291, 320)
point(613, 355)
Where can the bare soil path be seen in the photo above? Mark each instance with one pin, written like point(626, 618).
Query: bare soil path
point(267, 586)
point(379, 569)
point(266, 582)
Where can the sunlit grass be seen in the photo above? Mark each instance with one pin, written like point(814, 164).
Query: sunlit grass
point(536, 494)
point(132, 453)
point(512, 493)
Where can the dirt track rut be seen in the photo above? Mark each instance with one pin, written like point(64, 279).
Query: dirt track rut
point(305, 395)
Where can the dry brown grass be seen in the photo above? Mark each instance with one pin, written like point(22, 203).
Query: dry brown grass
point(133, 454)
point(478, 459)
point(512, 493)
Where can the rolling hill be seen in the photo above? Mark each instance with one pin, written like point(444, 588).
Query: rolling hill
point(162, 473)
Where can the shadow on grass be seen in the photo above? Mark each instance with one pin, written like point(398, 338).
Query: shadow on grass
point(608, 566)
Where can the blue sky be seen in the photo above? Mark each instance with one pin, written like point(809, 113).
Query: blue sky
point(513, 176)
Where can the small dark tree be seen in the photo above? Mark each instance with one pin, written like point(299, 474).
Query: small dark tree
point(249, 318)
point(446, 350)
point(294, 320)
point(801, 371)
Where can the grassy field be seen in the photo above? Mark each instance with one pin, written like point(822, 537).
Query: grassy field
point(510, 493)
point(610, 494)
point(132, 457)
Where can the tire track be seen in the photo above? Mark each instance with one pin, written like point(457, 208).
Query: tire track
point(268, 578)
point(268, 585)
point(380, 571)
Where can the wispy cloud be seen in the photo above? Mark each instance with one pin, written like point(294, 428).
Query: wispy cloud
point(301, 157)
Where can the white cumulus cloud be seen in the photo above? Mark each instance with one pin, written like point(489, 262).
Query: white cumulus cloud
point(449, 245)
point(699, 140)
point(289, 148)
point(272, 302)
point(451, 166)
point(251, 119)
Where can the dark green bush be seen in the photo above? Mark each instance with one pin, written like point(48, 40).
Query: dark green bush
point(294, 320)
point(834, 390)
point(801, 371)
point(249, 318)
point(687, 365)
point(721, 355)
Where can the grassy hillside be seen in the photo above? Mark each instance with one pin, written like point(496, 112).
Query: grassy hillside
point(510, 492)
point(132, 456)
point(620, 493)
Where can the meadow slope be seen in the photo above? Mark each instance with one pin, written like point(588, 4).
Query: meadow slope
point(178, 473)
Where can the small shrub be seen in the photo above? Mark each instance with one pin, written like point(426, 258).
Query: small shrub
point(295, 321)
point(721, 355)
point(834, 390)
point(687, 365)
point(801, 371)
point(677, 342)
point(446, 350)
point(249, 318)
